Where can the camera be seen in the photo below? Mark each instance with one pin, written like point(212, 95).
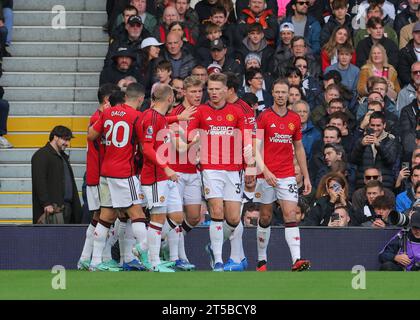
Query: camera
point(400, 219)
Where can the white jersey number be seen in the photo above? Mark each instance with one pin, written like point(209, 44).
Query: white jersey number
point(113, 129)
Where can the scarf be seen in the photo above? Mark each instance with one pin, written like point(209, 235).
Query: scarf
point(383, 135)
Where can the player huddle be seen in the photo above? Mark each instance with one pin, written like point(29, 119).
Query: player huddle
point(166, 159)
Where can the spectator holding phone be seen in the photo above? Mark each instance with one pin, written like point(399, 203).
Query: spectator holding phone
point(405, 199)
point(382, 207)
point(340, 217)
point(377, 148)
point(332, 192)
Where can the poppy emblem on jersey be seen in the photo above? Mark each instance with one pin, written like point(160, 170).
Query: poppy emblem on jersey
point(162, 198)
point(149, 130)
point(282, 126)
point(257, 195)
point(219, 118)
point(230, 117)
point(206, 190)
point(291, 126)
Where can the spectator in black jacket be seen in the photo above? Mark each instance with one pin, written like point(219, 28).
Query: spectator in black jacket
point(332, 192)
point(123, 65)
point(218, 52)
point(409, 119)
point(339, 17)
point(375, 28)
point(407, 16)
point(407, 56)
point(376, 148)
point(119, 31)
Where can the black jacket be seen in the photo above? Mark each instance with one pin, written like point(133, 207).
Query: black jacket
point(406, 57)
point(111, 74)
point(48, 183)
point(403, 18)
point(328, 28)
point(321, 212)
point(407, 125)
point(266, 54)
point(387, 155)
point(364, 46)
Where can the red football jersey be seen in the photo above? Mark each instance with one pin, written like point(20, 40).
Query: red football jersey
point(182, 162)
point(118, 124)
point(94, 154)
point(154, 130)
point(221, 132)
point(279, 134)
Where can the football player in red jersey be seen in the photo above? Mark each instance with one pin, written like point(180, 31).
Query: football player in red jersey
point(184, 163)
point(279, 132)
point(221, 127)
point(95, 153)
point(119, 185)
point(157, 178)
point(237, 260)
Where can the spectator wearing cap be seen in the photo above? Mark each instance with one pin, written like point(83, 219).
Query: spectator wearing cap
point(283, 51)
point(123, 65)
point(218, 52)
point(340, 17)
point(133, 38)
point(348, 71)
point(408, 55)
point(408, 93)
point(257, 12)
point(149, 20)
point(255, 43)
point(305, 25)
point(214, 68)
point(253, 60)
point(181, 59)
point(119, 30)
point(408, 125)
point(375, 27)
point(150, 50)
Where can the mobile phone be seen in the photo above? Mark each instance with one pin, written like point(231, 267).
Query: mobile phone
point(405, 165)
point(369, 131)
point(336, 187)
point(335, 216)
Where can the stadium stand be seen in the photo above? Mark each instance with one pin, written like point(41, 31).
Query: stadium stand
point(50, 79)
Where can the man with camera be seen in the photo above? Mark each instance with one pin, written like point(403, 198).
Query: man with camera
point(402, 252)
point(377, 148)
point(382, 209)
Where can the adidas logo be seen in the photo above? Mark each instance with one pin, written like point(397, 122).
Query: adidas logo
point(273, 126)
point(209, 118)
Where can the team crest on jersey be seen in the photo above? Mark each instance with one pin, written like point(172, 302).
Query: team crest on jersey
point(257, 195)
point(230, 117)
point(162, 199)
point(291, 126)
point(149, 130)
point(206, 190)
point(141, 196)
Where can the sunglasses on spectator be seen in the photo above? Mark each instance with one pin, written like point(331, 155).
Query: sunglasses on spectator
point(301, 3)
point(415, 72)
point(371, 177)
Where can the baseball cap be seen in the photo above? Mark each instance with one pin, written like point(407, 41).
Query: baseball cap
point(217, 45)
point(124, 52)
point(150, 42)
point(287, 26)
point(214, 68)
point(135, 20)
point(416, 27)
point(415, 219)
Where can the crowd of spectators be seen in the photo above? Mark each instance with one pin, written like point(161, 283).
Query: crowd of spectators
point(354, 71)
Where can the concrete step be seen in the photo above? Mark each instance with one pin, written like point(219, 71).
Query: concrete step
point(51, 93)
point(45, 108)
point(59, 49)
point(48, 79)
point(71, 33)
point(12, 212)
point(42, 124)
point(25, 184)
point(72, 18)
point(53, 64)
point(20, 197)
point(12, 170)
point(24, 155)
point(39, 139)
point(47, 5)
